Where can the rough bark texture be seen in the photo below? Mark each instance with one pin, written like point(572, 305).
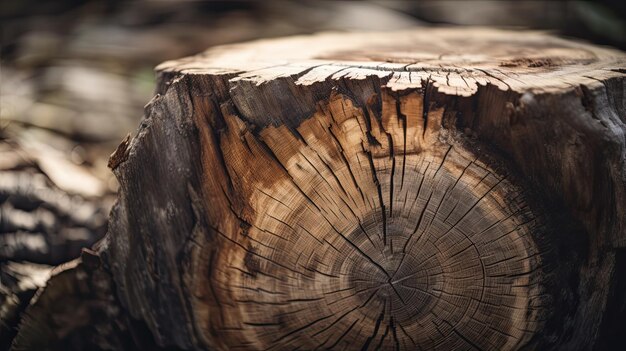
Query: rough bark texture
point(428, 189)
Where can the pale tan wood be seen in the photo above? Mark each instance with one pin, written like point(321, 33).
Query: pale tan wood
point(455, 61)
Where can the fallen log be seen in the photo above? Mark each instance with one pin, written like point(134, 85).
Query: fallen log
point(427, 189)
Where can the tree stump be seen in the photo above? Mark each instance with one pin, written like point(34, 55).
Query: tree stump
point(427, 189)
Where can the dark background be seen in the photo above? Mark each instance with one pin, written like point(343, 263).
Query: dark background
point(75, 75)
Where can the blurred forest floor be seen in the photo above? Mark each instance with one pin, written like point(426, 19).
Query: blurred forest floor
point(75, 75)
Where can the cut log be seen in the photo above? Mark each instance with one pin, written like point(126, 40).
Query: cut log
point(427, 189)
point(77, 310)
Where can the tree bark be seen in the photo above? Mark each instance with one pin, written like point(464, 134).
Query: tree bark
point(428, 189)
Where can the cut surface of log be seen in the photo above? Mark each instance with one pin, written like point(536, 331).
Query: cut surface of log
point(367, 223)
point(428, 189)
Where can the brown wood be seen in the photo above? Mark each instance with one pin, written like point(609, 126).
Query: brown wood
point(427, 189)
